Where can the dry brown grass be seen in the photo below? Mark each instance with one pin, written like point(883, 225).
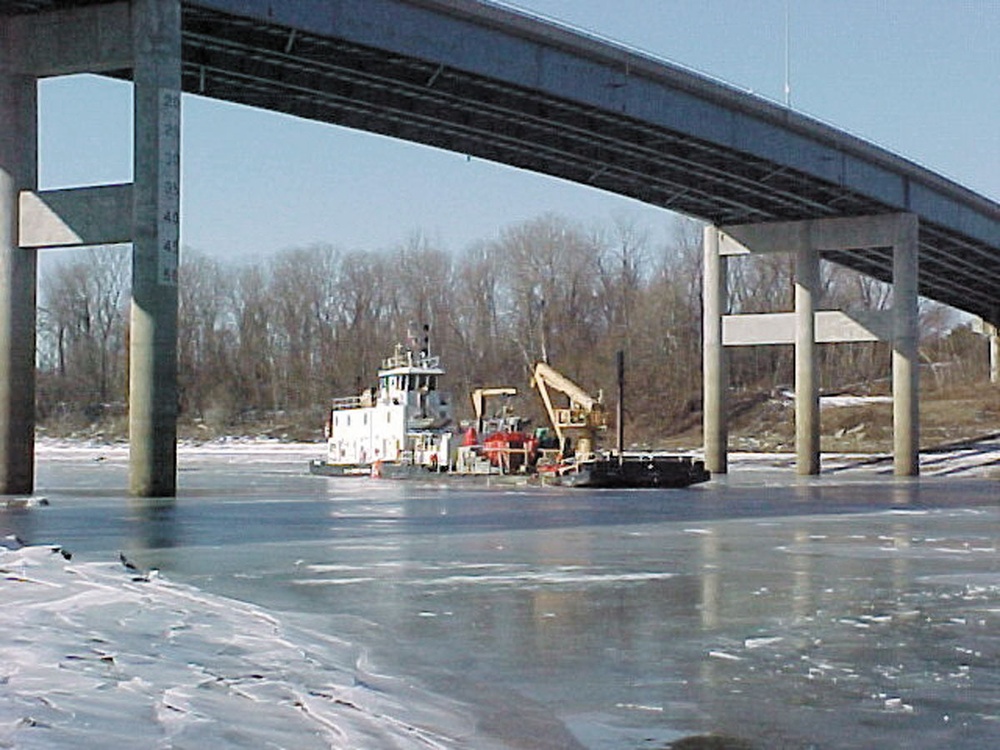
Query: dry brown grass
point(948, 415)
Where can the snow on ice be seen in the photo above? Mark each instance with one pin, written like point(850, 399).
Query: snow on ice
point(96, 655)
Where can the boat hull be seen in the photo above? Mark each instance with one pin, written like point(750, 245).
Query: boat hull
point(651, 472)
point(644, 472)
point(380, 470)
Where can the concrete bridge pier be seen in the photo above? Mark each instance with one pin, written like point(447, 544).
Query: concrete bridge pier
point(995, 356)
point(806, 327)
point(905, 354)
point(993, 334)
point(18, 270)
point(807, 422)
point(144, 35)
point(715, 292)
point(156, 35)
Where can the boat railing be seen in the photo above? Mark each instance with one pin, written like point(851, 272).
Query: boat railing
point(347, 402)
point(410, 358)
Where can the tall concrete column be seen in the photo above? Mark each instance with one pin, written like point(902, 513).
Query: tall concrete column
point(993, 333)
point(715, 373)
point(18, 270)
point(156, 243)
point(806, 380)
point(905, 361)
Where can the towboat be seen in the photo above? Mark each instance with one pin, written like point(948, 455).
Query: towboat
point(404, 428)
point(401, 426)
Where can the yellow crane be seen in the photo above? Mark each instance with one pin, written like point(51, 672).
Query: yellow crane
point(582, 418)
point(479, 396)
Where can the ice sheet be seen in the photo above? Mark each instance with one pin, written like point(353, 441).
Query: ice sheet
point(839, 612)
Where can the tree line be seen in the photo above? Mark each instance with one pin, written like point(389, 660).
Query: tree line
point(286, 334)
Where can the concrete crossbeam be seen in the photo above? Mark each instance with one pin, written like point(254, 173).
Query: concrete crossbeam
point(87, 39)
point(79, 216)
point(832, 327)
point(818, 234)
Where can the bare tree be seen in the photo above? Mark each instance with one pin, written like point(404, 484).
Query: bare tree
point(85, 303)
point(206, 337)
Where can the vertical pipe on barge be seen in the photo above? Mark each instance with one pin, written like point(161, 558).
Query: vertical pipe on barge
point(620, 357)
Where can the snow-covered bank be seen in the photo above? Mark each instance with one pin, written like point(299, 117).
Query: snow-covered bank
point(259, 449)
point(95, 655)
point(974, 459)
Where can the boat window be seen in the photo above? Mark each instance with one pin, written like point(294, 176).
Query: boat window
point(366, 418)
point(432, 383)
point(348, 421)
point(388, 416)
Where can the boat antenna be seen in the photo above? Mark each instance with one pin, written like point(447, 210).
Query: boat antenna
point(427, 341)
point(788, 63)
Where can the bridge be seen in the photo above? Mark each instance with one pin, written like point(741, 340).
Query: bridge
point(487, 81)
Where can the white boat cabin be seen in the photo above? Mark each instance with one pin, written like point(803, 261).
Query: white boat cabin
point(404, 419)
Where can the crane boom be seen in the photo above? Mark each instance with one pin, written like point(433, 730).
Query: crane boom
point(585, 414)
point(546, 374)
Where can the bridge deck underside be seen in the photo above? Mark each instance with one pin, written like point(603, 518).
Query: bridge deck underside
point(318, 78)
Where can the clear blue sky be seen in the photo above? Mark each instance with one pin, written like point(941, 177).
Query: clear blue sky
point(920, 77)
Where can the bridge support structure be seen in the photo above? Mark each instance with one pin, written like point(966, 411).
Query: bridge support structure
point(806, 327)
point(992, 334)
point(145, 37)
point(715, 362)
point(156, 248)
point(18, 280)
point(994, 355)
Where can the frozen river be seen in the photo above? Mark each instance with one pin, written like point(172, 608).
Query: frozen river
point(850, 611)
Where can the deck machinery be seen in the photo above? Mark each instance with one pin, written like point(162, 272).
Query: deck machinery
point(578, 463)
